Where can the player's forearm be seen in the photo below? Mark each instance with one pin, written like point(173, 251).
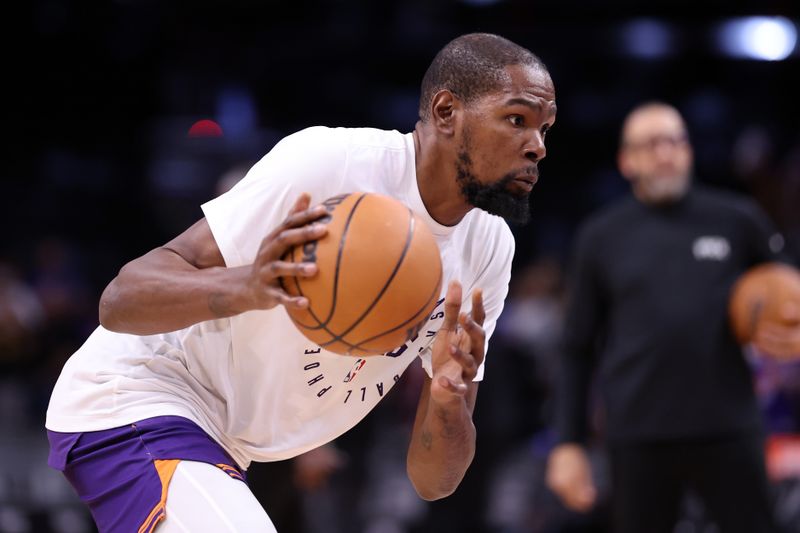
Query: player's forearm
point(442, 447)
point(161, 292)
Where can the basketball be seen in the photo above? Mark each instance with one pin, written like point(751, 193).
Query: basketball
point(763, 294)
point(379, 276)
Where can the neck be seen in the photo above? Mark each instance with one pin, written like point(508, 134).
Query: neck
point(436, 177)
point(661, 201)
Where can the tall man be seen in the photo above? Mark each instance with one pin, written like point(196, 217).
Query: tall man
point(196, 369)
point(649, 292)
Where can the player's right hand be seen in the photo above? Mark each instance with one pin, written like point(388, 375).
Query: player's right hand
point(300, 226)
point(569, 476)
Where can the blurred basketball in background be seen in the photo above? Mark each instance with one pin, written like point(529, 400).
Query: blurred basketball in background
point(768, 293)
point(379, 277)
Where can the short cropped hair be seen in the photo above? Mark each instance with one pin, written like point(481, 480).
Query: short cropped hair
point(472, 66)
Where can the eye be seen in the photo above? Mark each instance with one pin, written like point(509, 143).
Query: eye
point(545, 129)
point(517, 120)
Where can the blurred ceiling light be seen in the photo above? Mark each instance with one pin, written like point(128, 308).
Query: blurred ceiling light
point(646, 38)
point(481, 3)
point(762, 38)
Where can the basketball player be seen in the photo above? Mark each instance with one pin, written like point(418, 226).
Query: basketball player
point(650, 288)
point(196, 369)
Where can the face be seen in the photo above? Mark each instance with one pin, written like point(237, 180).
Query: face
point(656, 156)
point(502, 141)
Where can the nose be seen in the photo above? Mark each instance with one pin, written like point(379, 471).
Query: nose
point(534, 150)
point(664, 152)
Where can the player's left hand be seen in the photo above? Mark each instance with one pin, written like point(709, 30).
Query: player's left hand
point(458, 349)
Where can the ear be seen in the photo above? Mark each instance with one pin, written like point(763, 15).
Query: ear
point(625, 164)
point(445, 107)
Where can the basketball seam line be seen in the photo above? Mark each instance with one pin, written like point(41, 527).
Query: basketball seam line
point(406, 247)
point(320, 324)
point(434, 296)
point(324, 327)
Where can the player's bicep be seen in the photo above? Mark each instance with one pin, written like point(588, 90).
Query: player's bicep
point(197, 246)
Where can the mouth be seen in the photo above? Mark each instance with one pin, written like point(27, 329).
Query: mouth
point(526, 182)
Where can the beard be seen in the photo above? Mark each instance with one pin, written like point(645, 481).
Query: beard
point(494, 198)
point(664, 190)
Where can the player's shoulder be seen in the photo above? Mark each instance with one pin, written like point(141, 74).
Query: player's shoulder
point(490, 231)
point(310, 144)
point(390, 139)
point(484, 224)
point(377, 138)
point(322, 147)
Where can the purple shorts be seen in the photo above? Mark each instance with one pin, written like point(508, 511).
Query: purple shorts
point(123, 473)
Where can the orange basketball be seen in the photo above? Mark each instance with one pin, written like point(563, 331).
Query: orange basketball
point(763, 294)
point(379, 276)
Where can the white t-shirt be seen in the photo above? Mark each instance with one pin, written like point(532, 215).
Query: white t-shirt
point(253, 381)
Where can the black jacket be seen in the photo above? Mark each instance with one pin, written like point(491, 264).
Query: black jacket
point(648, 310)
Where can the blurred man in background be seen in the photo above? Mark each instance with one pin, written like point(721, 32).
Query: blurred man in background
point(649, 293)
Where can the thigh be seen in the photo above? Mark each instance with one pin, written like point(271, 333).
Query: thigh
point(123, 473)
point(202, 497)
point(646, 488)
point(730, 477)
point(113, 473)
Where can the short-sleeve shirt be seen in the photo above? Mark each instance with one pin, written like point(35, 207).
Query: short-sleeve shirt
point(253, 382)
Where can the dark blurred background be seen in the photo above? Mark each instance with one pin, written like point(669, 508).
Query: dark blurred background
point(101, 169)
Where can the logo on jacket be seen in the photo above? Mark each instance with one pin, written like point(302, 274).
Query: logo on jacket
point(711, 248)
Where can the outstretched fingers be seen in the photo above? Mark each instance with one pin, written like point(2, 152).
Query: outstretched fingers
point(303, 224)
point(284, 240)
point(301, 204)
point(452, 306)
point(290, 302)
point(477, 337)
point(465, 334)
point(478, 312)
point(296, 219)
point(276, 269)
point(463, 353)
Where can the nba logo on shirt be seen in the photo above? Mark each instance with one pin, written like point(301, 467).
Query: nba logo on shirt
point(356, 367)
point(711, 248)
